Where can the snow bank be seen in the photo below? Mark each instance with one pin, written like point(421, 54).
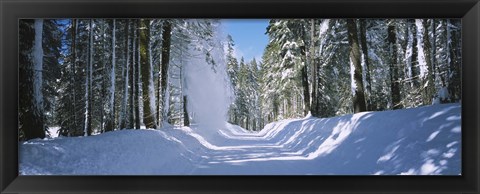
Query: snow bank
point(419, 141)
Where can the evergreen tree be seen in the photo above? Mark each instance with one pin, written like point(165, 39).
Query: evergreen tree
point(232, 72)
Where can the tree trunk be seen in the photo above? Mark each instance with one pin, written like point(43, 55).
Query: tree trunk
point(305, 84)
point(313, 64)
point(147, 79)
point(363, 42)
point(306, 92)
point(137, 75)
point(33, 124)
point(186, 119)
point(111, 115)
point(357, 80)
point(103, 90)
point(166, 41)
point(394, 66)
point(429, 82)
point(132, 80)
point(414, 59)
point(454, 82)
point(123, 115)
point(88, 83)
point(446, 38)
point(74, 75)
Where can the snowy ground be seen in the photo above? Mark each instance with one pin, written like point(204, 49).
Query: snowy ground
point(424, 140)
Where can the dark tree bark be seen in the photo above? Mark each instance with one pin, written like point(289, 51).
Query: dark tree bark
point(414, 67)
point(131, 123)
point(31, 122)
point(137, 76)
point(394, 66)
point(314, 105)
point(148, 113)
point(165, 60)
point(439, 71)
point(110, 124)
point(428, 84)
point(186, 118)
point(358, 96)
point(73, 49)
point(306, 91)
point(305, 84)
point(89, 81)
point(103, 93)
point(123, 119)
point(363, 42)
point(454, 83)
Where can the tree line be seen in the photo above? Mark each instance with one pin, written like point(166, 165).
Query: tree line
point(330, 67)
point(96, 75)
point(91, 76)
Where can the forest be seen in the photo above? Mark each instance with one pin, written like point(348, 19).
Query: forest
point(91, 76)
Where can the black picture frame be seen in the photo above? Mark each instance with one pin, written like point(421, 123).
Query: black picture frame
point(12, 10)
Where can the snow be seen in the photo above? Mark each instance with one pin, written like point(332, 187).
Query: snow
point(322, 34)
point(53, 131)
point(207, 91)
point(417, 141)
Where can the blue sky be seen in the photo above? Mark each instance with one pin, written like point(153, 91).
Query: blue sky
point(249, 36)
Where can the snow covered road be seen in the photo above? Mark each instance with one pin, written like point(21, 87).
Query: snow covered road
point(425, 140)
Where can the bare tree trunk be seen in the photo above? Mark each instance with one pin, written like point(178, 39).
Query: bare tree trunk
point(148, 112)
point(166, 41)
point(305, 84)
point(123, 114)
point(363, 42)
point(74, 75)
point(358, 94)
point(394, 66)
point(104, 74)
point(429, 82)
point(137, 75)
point(306, 92)
point(313, 64)
point(34, 122)
point(186, 119)
point(109, 126)
point(132, 80)
point(414, 67)
point(88, 89)
point(454, 82)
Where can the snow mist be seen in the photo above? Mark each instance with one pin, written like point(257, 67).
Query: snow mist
point(207, 86)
